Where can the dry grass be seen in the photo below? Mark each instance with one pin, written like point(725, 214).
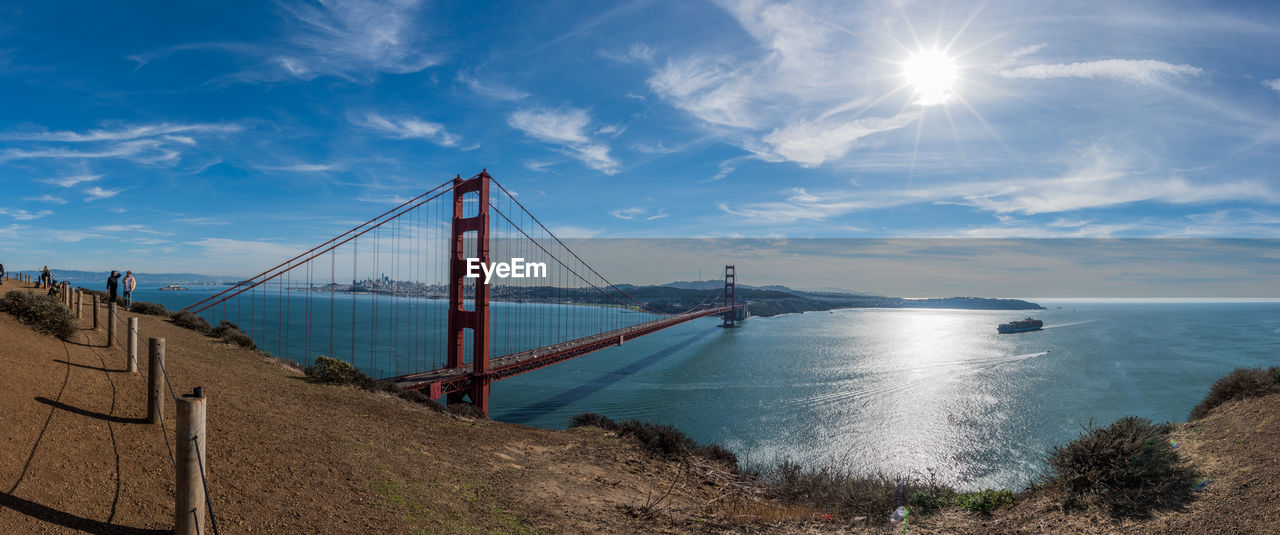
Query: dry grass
point(1241, 383)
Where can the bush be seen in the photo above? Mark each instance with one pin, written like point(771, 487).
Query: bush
point(333, 371)
point(1239, 384)
point(1128, 466)
point(418, 397)
point(984, 501)
point(42, 312)
point(465, 410)
point(191, 321)
point(230, 333)
point(839, 490)
point(150, 309)
point(660, 439)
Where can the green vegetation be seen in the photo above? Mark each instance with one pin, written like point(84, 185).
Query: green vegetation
point(188, 320)
point(337, 372)
point(44, 313)
point(230, 333)
point(150, 309)
point(1241, 383)
point(1129, 467)
point(984, 501)
point(846, 494)
point(661, 439)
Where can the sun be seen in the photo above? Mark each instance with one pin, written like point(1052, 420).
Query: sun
point(931, 73)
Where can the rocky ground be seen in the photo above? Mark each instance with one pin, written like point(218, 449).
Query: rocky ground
point(289, 456)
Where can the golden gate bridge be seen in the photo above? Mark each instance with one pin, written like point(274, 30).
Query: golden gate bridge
point(413, 317)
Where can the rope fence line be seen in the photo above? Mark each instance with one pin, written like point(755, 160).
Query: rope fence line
point(122, 343)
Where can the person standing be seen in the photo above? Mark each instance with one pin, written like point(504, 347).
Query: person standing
point(113, 284)
point(129, 284)
point(46, 277)
point(1, 271)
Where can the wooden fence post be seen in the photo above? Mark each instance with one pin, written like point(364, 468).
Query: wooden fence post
point(155, 380)
point(95, 312)
point(133, 344)
point(189, 506)
point(79, 304)
point(111, 324)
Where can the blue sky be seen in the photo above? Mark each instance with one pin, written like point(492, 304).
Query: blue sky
point(217, 137)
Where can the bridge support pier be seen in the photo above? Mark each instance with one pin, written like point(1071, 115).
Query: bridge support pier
point(476, 319)
point(730, 284)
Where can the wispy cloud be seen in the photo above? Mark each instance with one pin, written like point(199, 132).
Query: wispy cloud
point(123, 133)
point(491, 89)
point(812, 143)
point(637, 214)
point(1100, 179)
point(407, 128)
point(68, 181)
point(47, 198)
point(148, 144)
point(1135, 71)
point(23, 215)
point(566, 127)
point(200, 221)
point(300, 167)
point(96, 193)
point(1273, 84)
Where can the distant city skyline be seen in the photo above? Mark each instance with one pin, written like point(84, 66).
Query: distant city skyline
point(223, 138)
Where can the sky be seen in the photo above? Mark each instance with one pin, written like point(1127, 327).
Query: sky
point(221, 137)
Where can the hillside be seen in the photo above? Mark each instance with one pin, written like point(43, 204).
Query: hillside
point(290, 456)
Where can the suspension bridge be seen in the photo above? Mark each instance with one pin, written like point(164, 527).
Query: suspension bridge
point(417, 312)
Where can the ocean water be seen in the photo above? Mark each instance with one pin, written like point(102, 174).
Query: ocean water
point(899, 391)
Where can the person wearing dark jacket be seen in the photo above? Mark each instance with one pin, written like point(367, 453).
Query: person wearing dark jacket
point(113, 283)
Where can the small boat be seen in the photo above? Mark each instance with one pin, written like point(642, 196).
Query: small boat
point(1020, 326)
point(172, 288)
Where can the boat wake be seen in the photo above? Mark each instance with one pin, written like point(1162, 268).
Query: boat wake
point(1082, 322)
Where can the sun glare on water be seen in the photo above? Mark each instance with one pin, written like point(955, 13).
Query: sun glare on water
point(931, 73)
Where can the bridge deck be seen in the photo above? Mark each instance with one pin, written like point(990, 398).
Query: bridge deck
point(449, 380)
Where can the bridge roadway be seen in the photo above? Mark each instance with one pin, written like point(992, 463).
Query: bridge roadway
point(448, 380)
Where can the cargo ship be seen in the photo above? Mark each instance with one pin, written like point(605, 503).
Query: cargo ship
point(1020, 326)
point(172, 288)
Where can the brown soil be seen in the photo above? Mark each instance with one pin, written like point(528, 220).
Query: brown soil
point(289, 456)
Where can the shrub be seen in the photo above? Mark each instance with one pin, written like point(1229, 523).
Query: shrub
point(230, 332)
point(333, 371)
point(150, 309)
point(984, 501)
point(1239, 384)
point(465, 410)
point(42, 312)
point(661, 439)
point(191, 321)
point(1128, 466)
point(837, 489)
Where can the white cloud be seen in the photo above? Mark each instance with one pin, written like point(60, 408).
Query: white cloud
point(568, 128)
point(69, 181)
point(352, 38)
point(1273, 84)
point(812, 143)
point(300, 168)
point(559, 126)
point(637, 214)
point(1135, 71)
point(407, 128)
point(200, 221)
point(125, 133)
point(23, 215)
point(147, 144)
point(96, 193)
point(120, 228)
point(47, 198)
point(491, 89)
point(1100, 179)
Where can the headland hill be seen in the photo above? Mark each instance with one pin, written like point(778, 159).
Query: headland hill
point(292, 452)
